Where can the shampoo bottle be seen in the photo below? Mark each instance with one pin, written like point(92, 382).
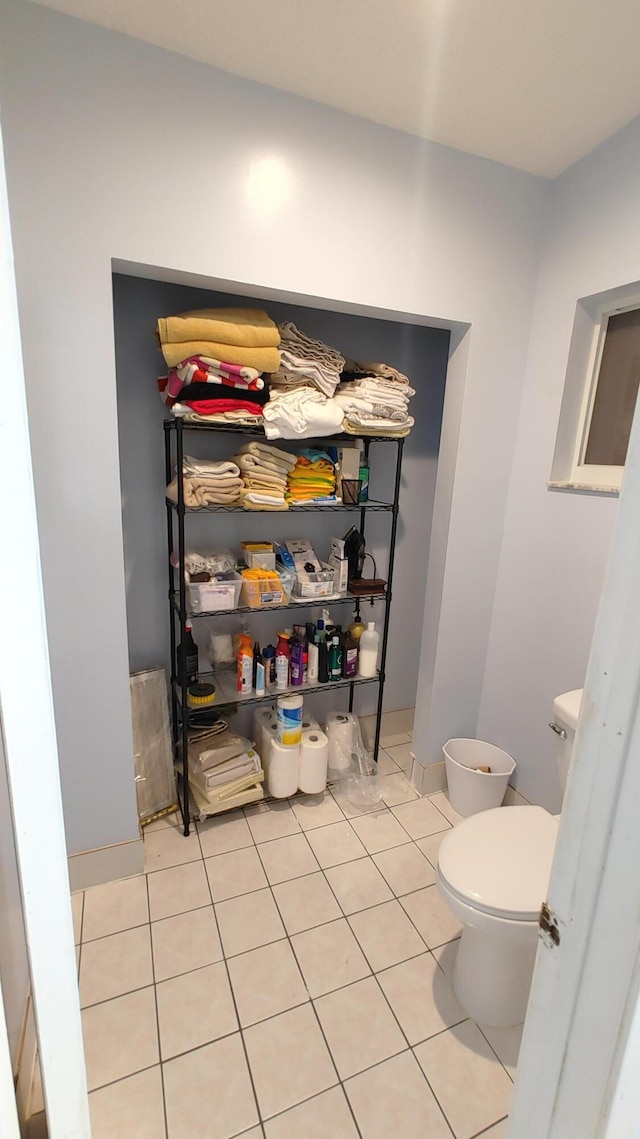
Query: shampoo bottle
point(349, 657)
point(313, 661)
point(245, 665)
point(283, 654)
point(335, 659)
point(296, 664)
point(369, 645)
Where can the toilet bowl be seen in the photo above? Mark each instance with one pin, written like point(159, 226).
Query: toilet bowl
point(493, 873)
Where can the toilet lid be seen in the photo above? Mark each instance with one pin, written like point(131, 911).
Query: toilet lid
point(499, 861)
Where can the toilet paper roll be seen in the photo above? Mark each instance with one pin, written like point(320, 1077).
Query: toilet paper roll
point(282, 779)
point(314, 759)
point(289, 717)
point(340, 727)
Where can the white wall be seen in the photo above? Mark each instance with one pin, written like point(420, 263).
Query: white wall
point(556, 542)
point(119, 150)
point(14, 966)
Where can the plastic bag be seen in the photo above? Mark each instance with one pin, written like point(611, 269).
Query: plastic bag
point(215, 562)
point(351, 765)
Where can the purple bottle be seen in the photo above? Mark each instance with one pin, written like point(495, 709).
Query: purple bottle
point(296, 664)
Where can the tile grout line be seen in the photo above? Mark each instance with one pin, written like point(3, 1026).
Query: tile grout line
point(233, 998)
point(315, 1013)
point(479, 1134)
point(155, 1004)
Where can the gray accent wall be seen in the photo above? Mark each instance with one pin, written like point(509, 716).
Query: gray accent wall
point(419, 352)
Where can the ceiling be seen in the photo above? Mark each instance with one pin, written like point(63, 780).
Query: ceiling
point(535, 84)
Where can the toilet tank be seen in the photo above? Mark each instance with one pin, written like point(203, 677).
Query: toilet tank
point(566, 713)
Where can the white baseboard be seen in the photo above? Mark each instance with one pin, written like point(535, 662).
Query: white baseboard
point(93, 867)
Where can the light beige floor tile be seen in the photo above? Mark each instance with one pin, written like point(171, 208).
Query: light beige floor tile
point(441, 801)
point(133, 1107)
point(397, 789)
point(326, 1116)
point(305, 903)
point(386, 935)
point(271, 820)
point(446, 955)
point(401, 755)
point(224, 833)
point(289, 1060)
point(178, 890)
point(120, 1037)
point(335, 843)
point(394, 1099)
point(168, 847)
point(358, 885)
point(420, 818)
point(405, 868)
point(195, 1009)
point(313, 811)
point(359, 1027)
point(286, 858)
point(254, 1133)
point(421, 997)
point(114, 907)
point(329, 957)
point(471, 1085)
point(394, 739)
point(208, 1092)
point(379, 831)
point(115, 965)
point(430, 846)
point(248, 921)
point(386, 765)
point(185, 942)
point(266, 981)
point(172, 820)
point(506, 1044)
point(431, 916)
point(77, 903)
point(354, 810)
point(499, 1131)
point(238, 872)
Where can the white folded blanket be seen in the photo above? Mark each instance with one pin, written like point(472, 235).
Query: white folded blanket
point(303, 357)
point(301, 414)
point(209, 469)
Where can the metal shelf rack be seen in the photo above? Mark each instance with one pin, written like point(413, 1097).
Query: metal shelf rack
point(177, 513)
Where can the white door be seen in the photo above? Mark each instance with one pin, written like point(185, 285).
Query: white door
point(30, 749)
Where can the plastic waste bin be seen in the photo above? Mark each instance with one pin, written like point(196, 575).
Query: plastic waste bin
point(471, 790)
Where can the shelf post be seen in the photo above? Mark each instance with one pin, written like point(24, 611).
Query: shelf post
point(184, 722)
point(387, 608)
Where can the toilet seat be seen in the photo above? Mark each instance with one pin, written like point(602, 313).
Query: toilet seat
point(499, 861)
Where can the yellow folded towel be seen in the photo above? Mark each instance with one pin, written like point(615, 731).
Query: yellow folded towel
point(242, 327)
point(263, 359)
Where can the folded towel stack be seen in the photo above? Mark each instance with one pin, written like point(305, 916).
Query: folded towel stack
point(264, 471)
point(217, 357)
point(312, 480)
point(207, 483)
point(375, 400)
point(304, 360)
point(303, 413)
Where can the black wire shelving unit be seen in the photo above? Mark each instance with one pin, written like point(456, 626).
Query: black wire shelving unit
point(228, 700)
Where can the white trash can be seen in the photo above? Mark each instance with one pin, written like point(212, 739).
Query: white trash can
point(471, 790)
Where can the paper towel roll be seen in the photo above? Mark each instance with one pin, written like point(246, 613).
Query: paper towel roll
point(261, 718)
point(282, 779)
point(269, 733)
point(340, 731)
point(314, 758)
point(309, 722)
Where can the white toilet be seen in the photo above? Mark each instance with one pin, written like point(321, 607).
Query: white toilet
point(493, 873)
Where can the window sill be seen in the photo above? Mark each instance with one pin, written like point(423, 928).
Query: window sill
point(583, 488)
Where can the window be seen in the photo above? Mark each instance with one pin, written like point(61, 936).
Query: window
point(600, 399)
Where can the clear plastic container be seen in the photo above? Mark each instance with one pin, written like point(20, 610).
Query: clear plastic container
point(266, 593)
point(319, 584)
point(214, 596)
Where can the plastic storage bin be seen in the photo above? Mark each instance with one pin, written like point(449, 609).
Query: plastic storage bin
point(320, 584)
point(265, 593)
point(471, 790)
point(214, 596)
